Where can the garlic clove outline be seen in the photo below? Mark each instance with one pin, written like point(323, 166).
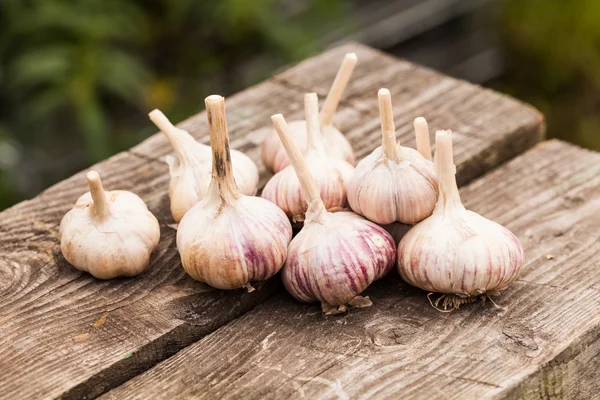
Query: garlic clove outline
point(275, 157)
point(394, 183)
point(191, 170)
point(336, 256)
point(108, 233)
point(331, 174)
point(228, 240)
point(455, 251)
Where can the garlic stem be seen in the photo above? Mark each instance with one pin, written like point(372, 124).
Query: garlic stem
point(311, 114)
point(100, 207)
point(337, 88)
point(307, 182)
point(219, 141)
point(422, 136)
point(446, 171)
point(388, 129)
point(172, 133)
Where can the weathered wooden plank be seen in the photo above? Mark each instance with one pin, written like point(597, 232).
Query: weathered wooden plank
point(536, 344)
point(75, 336)
point(48, 309)
point(573, 374)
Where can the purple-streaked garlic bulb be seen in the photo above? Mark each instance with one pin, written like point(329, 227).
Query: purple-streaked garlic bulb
point(336, 256)
point(455, 251)
point(228, 239)
point(330, 174)
point(274, 156)
point(108, 233)
point(394, 183)
point(191, 170)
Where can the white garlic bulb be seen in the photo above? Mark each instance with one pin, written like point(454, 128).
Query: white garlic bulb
point(393, 183)
point(274, 156)
point(456, 251)
point(108, 234)
point(191, 170)
point(228, 240)
point(336, 256)
point(331, 174)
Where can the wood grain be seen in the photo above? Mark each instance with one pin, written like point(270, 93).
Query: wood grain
point(534, 345)
point(65, 334)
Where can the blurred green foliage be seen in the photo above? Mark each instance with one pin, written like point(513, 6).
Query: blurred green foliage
point(77, 78)
point(553, 49)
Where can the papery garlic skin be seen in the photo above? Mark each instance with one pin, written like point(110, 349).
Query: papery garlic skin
point(464, 254)
point(336, 145)
point(331, 174)
point(456, 251)
point(271, 145)
point(232, 245)
point(336, 256)
point(189, 185)
point(393, 183)
point(191, 169)
point(228, 240)
point(386, 190)
point(274, 156)
point(335, 260)
point(111, 237)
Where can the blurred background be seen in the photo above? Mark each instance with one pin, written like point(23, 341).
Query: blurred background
point(77, 78)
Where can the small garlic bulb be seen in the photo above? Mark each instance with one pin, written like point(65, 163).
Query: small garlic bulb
point(336, 256)
point(393, 183)
point(331, 174)
point(108, 234)
point(228, 240)
point(455, 251)
point(274, 156)
point(191, 170)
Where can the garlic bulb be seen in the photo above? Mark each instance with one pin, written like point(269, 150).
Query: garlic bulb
point(455, 251)
point(228, 240)
point(274, 156)
point(331, 174)
point(191, 170)
point(336, 256)
point(393, 183)
point(108, 234)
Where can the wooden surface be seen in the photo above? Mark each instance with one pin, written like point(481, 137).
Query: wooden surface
point(542, 341)
point(63, 333)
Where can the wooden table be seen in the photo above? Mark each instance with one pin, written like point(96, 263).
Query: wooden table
point(65, 334)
